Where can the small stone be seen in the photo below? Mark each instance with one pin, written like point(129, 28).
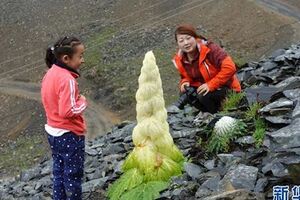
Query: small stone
point(192, 170)
point(245, 140)
point(93, 184)
point(210, 164)
point(261, 184)
point(91, 152)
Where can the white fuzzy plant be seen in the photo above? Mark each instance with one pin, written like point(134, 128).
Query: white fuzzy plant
point(225, 130)
point(155, 158)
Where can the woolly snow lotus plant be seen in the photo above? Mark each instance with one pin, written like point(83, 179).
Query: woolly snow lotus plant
point(155, 158)
point(225, 125)
point(225, 130)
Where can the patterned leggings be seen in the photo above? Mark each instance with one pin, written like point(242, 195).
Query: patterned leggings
point(68, 164)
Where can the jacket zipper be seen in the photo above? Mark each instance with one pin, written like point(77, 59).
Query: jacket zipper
point(207, 68)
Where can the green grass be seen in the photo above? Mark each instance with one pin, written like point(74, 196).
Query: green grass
point(22, 154)
point(259, 124)
point(93, 55)
point(260, 130)
point(252, 112)
point(232, 101)
point(239, 61)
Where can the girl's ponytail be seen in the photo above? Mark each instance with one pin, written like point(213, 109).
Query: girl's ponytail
point(50, 57)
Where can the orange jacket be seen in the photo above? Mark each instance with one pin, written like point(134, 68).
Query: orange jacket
point(215, 66)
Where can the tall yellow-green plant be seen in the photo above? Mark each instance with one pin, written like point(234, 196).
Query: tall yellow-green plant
point(155, 158)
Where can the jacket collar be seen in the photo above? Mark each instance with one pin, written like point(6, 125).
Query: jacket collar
point(74, 72)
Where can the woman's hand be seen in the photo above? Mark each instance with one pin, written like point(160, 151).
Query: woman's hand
point(182, 89)
point(203, 89)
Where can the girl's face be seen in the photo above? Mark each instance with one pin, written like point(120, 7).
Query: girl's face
point(186, 43)
point(77, 59)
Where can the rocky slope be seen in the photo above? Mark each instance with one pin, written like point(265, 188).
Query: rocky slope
point(245, 172)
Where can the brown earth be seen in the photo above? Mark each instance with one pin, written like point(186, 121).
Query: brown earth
point(248, 30)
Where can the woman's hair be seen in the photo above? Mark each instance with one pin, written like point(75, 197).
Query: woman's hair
point(189, 30)
point(64, 46)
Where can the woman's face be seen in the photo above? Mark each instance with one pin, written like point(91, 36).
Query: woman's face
point(186, 43)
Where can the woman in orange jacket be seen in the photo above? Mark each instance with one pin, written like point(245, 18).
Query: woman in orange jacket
point(204, 66)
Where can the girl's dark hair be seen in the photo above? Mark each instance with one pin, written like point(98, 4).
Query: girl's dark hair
point(64, 46)
point(189, 30)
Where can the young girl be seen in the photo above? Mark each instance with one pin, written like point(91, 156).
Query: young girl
point(65, 124)
point(204, 66)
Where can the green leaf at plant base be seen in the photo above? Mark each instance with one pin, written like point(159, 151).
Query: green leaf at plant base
point(165, 169)
point(127, 181)
point(146, 191)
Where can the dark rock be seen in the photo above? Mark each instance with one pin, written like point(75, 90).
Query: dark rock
point(190, 133)
point(292, 94)
point(228, 159)
point(277, 104)
point(254, 156)
point(289, 83)
point(47, 169)
point(128, 139)
point(278, 119)
point(127, 130)
point(209, 164)
point(245, 73)
point(212, 183)
point(30, 174)
point(97, 173)
point(296, 111)
point(277, 168)
point(38, 186)
point(91, 152)
point(93, 184)
point(202, 192)
point(202, 118)
point(260, 185)
point(184, 143)
point(277, 53)
point(165, 195)
point(268, 66)
point(260, 94)
point(179, 180)
point(240, 177)
point(192, 170)
point(285, 139)
point(245, 140)
point(236, 195)
point(113, 149)
point(97, 145)
point(173, 109)
point(280, 58)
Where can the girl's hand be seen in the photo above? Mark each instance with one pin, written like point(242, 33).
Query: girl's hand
point(82, 97)
point(182, 89)
point(203, 89)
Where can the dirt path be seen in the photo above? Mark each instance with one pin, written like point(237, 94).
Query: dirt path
point(98, 119)
point(283, 7)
